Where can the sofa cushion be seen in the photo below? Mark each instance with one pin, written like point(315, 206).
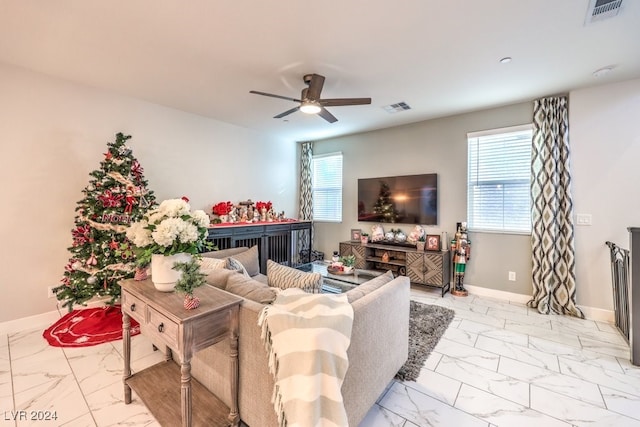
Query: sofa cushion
point(246, 287)
point(207, 265)
point(283, 277)
point(235, 265)
point(218, 278)
point(369, 286)
point(224, 253)
point(250, 260)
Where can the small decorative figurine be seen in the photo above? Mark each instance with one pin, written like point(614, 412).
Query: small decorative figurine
point(231, 216)
point(461, 251)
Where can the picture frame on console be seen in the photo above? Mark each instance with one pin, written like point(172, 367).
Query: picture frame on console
point(356, 233)
point(433, 242)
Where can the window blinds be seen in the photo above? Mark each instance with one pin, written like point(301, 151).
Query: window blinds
point(499, 171)
point(327, 187)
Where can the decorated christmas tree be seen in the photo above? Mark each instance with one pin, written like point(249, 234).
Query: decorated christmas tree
point(101, 255)
point(384, 207)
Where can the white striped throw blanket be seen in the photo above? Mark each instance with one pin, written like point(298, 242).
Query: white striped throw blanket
point(307, 337)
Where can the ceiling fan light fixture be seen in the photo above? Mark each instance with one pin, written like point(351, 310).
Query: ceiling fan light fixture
point(310, 108)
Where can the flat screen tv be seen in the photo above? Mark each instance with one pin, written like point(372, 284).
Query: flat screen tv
point(408, 199)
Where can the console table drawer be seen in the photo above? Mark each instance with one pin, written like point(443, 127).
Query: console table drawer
point(134, 307)
point(164, 328)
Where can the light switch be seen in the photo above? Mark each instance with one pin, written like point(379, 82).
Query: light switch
point(583, 219)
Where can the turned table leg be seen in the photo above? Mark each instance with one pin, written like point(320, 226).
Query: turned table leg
point(185, 392)
point(234, 416)
point(126, 349)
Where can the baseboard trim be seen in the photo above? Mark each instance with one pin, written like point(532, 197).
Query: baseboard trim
point(598, 314)
point(44, 320)
point(591, 313)
point(497, 294)
point(32, 322)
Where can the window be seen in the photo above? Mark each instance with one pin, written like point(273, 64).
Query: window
point(327, 187)
point(499, 176)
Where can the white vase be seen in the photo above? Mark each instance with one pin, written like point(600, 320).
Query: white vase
point(163, 276)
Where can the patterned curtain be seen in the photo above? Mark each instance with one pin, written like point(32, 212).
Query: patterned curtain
point(306, 196)
point(554, 278)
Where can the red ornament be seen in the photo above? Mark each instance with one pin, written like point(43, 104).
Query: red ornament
point(110, 200)
point(69, 266)
point(129, 200)
point(191, 302)
point(113, 245)
point(141, 274)
point(108, 155)
point(81, 235)
point(92, 259)
point(136, 170)
point(185, 198)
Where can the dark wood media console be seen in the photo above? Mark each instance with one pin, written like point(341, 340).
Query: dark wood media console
point(427, 268)
point(287, 243)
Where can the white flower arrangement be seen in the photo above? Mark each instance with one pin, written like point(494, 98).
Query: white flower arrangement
point(169, 229)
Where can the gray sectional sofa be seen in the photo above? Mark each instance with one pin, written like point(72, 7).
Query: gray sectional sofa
point(379, 347)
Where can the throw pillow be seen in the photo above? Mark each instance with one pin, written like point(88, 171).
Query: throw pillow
point(234, 264)
point(246, 287)
point(369, 286)
point(283, 277)
point(219, 278)
point(207, 265)
point(250, 260)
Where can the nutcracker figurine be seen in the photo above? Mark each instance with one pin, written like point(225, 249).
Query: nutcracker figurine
point(461, 252)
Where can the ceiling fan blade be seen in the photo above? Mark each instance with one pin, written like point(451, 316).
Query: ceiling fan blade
point(274, 96)
point(286, 113)
point(327, 116)
point(337, 102)
point(315, 87)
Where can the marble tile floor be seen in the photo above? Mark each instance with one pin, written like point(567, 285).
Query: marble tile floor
point(498, 364)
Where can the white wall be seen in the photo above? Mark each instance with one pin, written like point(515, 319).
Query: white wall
point(605, 150)
point(53, 134)
point(434, 146)
point(605, 147)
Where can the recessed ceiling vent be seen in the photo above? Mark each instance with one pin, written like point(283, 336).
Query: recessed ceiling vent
point(396, 108)
point(602, 9)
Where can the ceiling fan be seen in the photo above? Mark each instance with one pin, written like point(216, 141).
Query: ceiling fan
point(310, 101)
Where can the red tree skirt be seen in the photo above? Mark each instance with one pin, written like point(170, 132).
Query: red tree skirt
point(91, 326)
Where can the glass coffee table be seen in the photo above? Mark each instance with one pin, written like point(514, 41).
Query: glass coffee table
point(338, 283)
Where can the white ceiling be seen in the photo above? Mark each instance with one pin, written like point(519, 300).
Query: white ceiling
point(440, 57)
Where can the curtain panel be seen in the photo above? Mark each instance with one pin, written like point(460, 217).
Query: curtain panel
point(306, 196)
point(552, 236)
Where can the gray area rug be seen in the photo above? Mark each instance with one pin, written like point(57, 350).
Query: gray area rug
point(427, 324)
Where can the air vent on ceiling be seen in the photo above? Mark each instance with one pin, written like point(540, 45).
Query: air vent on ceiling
point(599, 10)
point(396, 108)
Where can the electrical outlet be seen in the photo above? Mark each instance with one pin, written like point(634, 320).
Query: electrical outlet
point(512, 276)
point(50, 293)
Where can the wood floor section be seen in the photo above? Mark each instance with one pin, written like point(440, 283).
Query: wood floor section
point(159, 389)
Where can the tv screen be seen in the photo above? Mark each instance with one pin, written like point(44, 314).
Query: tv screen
point(409, 199)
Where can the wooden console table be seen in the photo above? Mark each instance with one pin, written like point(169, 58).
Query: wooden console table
point(164, 319)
